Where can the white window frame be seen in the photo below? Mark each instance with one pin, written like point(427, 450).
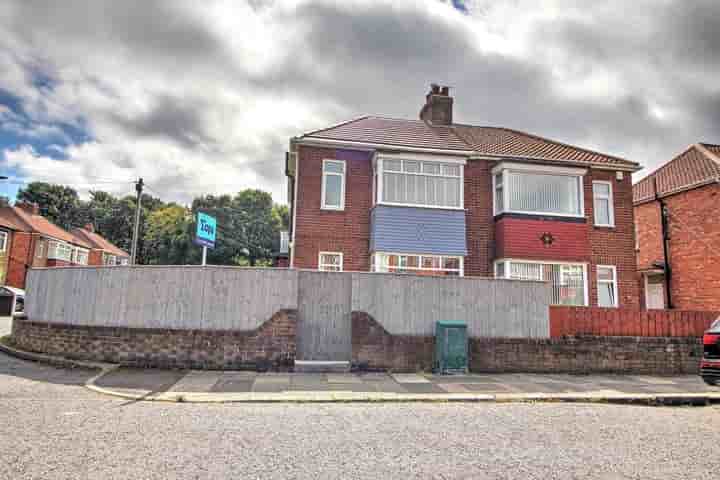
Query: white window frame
point(584, 265)
point(378, 267)
point(506, 168)
point(77, 252)
point(440, 160)
point(4, 241)
point(609, 198)
point(109, 259)
point(323, 205)
point(40, 249)
point(614, 282)
point(56, 246)
point(322, 265)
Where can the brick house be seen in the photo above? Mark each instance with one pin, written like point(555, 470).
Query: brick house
point(678, 231)
point(30, 240)
point(435, 197)
point(103, 252)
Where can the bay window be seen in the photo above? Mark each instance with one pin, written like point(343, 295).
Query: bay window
point(567, 280)
point(546, 190)
point(420, 182)
point(59, 251)
point(418, 264)
point(607, 286)
point(81, 256)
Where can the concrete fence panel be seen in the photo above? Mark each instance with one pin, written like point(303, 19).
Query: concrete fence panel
point(410, 305)
point(210, 298)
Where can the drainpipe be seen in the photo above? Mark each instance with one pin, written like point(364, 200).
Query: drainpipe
point(664, 218)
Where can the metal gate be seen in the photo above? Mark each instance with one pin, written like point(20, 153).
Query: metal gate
point(324, 316)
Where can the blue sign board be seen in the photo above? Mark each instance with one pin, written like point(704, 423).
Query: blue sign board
point(206, 229)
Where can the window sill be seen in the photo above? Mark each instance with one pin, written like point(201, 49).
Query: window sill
point(605, 227)
point(328, 209)
point(541, 216)
point(411, 205)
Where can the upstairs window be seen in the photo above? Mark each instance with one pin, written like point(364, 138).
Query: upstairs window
point(421, 183)
point(3, 241)
point(603, 204)
point(333, 185)
point(545, 192)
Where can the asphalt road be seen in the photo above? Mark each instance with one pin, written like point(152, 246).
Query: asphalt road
point(52, 427)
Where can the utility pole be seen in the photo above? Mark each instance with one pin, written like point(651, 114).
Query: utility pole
point(138, 207)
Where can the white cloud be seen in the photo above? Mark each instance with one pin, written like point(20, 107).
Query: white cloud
point(201, 97)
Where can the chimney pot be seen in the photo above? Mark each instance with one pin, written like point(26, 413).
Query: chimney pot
point(438, 108)
point(31, 208)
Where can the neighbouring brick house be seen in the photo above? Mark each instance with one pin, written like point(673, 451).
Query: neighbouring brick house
point(103, 252)
point(435, 197)
point(678, 231)
point(30, 240)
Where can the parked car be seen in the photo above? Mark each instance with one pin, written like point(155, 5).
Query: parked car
point(710, 364)
point(12, 300)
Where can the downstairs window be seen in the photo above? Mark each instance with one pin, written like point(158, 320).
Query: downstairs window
point(441, 265)
point(567, 280)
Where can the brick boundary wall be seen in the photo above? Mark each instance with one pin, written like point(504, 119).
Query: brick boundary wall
point(374, 348)
point(628, 322)
point(270, 346)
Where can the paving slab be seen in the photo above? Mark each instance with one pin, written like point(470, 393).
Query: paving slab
point(344, 378)
point(197, 381)
point(151, 380)
point(409, 378)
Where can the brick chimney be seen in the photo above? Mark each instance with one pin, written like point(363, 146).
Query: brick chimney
point(31, 208)
point(438, 108)
point(89, 227)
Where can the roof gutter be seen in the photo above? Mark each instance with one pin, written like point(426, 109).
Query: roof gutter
point(601, 166)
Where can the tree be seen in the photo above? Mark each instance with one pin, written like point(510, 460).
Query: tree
point(58, 203)
point(281, 216)
point(168, 238)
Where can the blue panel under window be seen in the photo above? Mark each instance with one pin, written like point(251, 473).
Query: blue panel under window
point(417, 230)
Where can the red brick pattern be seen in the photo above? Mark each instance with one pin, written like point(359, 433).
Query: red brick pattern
point(628, 322)
point(649, 234)
point(21, 250)
point(346, 231)
point(694, 248)
point(521, 238)
point(272, 345)
point(479, 220)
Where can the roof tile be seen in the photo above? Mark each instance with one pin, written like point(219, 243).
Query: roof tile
point(490, 141)
point(694, 166)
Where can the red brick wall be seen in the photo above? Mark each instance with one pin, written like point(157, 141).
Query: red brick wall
point(479, 227)
point(346, 231)
point(649, 232)
point(628, 322)
point(52, 262)
point(21, 254)
point(95, 257)
point(614, 246)
point(694, 248)
point(520, 238)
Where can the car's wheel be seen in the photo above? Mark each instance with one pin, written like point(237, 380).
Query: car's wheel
point(710, 380)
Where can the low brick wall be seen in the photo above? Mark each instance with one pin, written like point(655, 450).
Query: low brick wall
point(628, 322)
point(635, 355)
point(375, 349)
point(270, 346)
